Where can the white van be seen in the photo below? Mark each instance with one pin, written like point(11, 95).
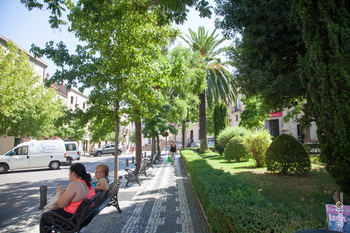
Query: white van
point(72, 151)
point(46, 153)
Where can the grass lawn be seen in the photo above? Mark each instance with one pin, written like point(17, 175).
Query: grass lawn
point(305, 195)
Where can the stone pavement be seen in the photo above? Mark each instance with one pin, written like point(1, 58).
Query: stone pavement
point(165, 202)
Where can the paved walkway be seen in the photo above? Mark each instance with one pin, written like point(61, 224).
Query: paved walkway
point(165, 202)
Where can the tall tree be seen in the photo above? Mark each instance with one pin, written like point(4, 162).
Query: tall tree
point(266, 58)
point(26, 108)
point(280, 46)
point(325, 71)
point(220, 122)
point(189, 78)
point(220, 83)
point(119, 60)
point(158, 125)
point(122, 39)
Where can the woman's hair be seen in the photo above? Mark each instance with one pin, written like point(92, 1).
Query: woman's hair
point(104, 167)
point(80, 170)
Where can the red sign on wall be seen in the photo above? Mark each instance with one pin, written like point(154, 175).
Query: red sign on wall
point(275, 114)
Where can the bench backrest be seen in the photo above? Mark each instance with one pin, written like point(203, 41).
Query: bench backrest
point(152, 158)
point(88, 209)
point(143, 165)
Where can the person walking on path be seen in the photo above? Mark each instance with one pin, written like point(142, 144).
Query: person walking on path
point(172, 151)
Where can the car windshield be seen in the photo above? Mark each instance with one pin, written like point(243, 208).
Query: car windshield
point(8, 153)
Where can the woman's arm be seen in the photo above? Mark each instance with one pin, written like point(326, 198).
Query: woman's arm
point(102, 185)
point(66, 196)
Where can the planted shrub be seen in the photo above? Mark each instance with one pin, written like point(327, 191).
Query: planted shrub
point(234, 206)
point(236, 149)
point(286, 155)
point(229, 132)
point(257, 143)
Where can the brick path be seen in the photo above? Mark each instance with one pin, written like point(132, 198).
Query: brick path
point(165, 202)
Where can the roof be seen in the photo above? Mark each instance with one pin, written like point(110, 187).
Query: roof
point(4, 40)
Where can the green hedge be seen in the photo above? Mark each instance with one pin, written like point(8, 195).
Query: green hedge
point(233, 206)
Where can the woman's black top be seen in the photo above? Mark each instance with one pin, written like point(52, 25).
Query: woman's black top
point(172, 148)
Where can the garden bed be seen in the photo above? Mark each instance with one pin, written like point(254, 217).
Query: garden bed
point(240, 198)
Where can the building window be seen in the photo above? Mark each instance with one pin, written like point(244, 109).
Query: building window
point(237, 104)
point(236, 117)
point(84, 105)
point(72, 100)
point(17, 141)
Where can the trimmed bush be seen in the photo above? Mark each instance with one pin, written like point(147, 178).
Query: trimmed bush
point(236, 149)
point(287, 155)
point(229, 132)
point(234, 206)
point(257, 143)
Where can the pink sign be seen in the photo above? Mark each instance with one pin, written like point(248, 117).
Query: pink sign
point(275, 114)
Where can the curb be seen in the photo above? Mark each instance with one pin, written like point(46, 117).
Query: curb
point(199, 202)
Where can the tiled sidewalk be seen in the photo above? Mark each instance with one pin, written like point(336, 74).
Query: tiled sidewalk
point(165, 202)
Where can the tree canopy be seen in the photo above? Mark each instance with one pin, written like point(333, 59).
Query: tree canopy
point(220, 83)
point(325, 72)
point(26, 108)
point(296, 50)
point(120, 60)
point(266, 56)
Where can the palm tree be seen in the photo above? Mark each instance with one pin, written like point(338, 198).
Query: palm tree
point(220, 83)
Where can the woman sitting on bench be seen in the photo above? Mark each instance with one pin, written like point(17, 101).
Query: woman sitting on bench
point(101, 174)
point(70, 199)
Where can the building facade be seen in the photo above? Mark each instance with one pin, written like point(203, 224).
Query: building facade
point(274, 124)
point(8, 142)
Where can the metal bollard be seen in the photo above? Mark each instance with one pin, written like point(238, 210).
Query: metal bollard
point(127, 162)
point(43, 197)
point(133, 159)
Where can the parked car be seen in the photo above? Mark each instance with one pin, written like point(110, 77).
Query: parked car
point(72, 151)
point(106, 149)
point(44, 153)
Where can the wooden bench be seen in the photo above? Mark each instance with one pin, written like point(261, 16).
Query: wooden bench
point(86, 211)
point(133, 175)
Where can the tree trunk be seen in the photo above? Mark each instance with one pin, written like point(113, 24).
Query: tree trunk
point(116, 141)
point(158, 146)
point(202, 123)
point(307, 134)
point(138, 141)
point(152, 142)
point(184, 134)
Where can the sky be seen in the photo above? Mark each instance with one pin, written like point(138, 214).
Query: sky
point(26, 27)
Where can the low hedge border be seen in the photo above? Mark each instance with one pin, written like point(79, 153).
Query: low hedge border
point(233, 206)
